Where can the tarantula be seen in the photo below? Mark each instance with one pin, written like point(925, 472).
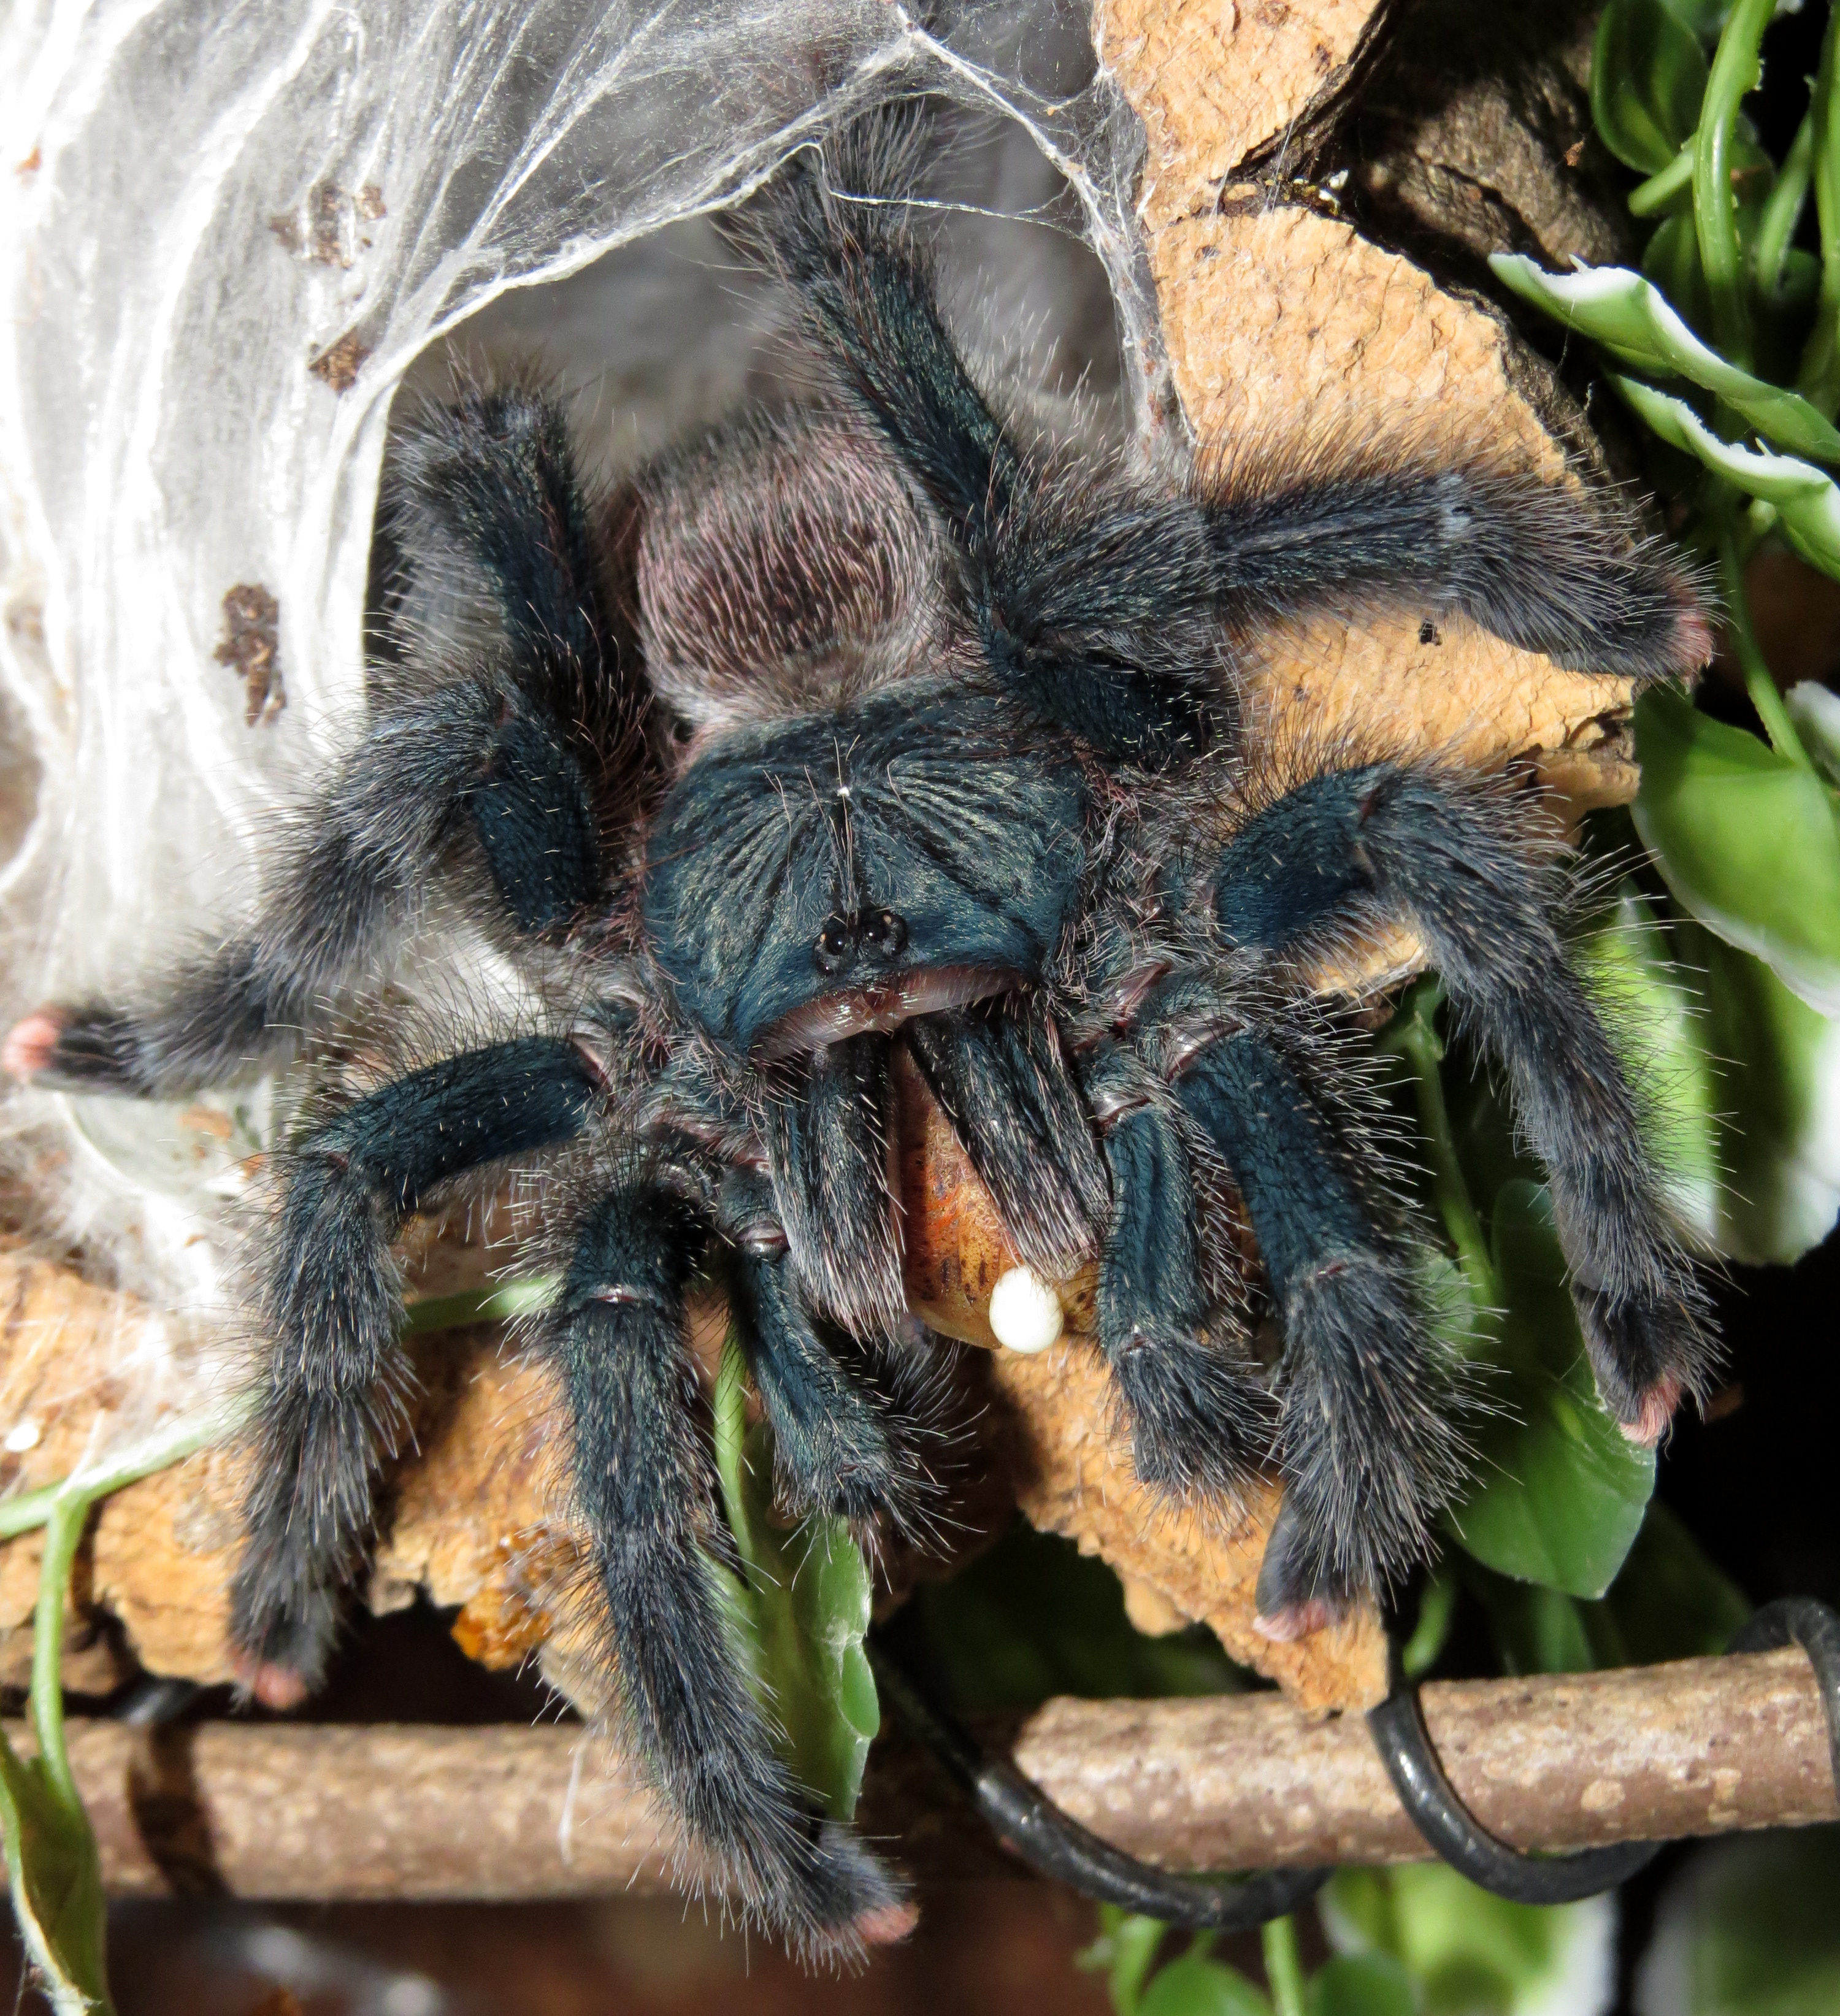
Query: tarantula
point(866, 722)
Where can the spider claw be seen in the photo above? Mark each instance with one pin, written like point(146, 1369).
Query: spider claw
point(887, 1924)
point(1693, 639)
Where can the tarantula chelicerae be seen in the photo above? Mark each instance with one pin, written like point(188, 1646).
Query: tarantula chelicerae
point(868, 723)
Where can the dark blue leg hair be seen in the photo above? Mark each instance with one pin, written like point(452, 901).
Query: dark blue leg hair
point(1001, 1078)
point(492, 477)
point(1368, 1453)
point(330, 1408)
point(1451, 857)
point(645, 1488)
point(828, 1120)
point(1198, 1420)
point(843, 1444)
point(1529, 561)
point(1096, 598)
point(351, 871)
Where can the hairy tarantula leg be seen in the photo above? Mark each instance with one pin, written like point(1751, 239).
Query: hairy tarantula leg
point(1000, 1076)
point(828, 1136)
point(1433, 847)
point(1528, 560)
point(494, 476)
point(1367, 1453)
point(491, 477)
point(840, 1448)
point(869, 290)
point(331, 1406)
point(645, 1488)
point(357, 870)
point(1199, 1420)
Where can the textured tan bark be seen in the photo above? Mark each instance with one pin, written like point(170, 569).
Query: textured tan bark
point(1245, 1781)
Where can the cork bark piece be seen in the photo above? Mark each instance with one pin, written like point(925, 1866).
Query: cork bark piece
point(1212, 80)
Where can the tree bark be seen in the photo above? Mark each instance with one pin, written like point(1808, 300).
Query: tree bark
point(1244, 1781)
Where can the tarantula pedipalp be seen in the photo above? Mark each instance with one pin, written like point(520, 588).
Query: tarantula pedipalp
point(867, 723)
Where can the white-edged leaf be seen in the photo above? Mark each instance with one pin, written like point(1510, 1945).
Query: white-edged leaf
point(1632, 319)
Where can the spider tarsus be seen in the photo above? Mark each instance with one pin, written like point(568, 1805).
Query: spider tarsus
point(268, 1683)
point(1286, 1625)
point(1694, 641)
point(887, 1924)
point(1655, 1413)
point(32, 1042)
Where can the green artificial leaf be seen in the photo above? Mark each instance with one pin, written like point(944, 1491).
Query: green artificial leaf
point(1125, 1951)
point(55, 1875)
point(1807, 503)
point(1748, 840)
point(1704, 18)
point(1470, 1953)
point(1815, 710)
point(1648, 75)
point(1034, 1617)
point(1557, 1493)
point(1668, 1601)
point(1535, 1630)
point(1671, 261)
point(1656, 1019)
point(1195, 1986)
point(800, 1611)
point(1437, 1612)
point(1360, 1985)
point(53, 1867)
point(1777, 1065)
point(1637, 324)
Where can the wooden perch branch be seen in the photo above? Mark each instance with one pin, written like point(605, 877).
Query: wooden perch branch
point(1705, 1746)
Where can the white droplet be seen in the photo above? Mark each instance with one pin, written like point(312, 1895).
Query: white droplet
point(22, 1438)
point(1024, 1312)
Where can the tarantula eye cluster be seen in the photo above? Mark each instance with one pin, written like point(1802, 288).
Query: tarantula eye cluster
point(869, 724)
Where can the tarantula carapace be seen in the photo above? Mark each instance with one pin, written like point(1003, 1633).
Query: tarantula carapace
point(868, 723)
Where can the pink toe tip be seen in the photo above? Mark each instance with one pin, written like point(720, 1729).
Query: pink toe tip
point(30, 1043)
point(1694, 641)
point(278, 1687)
point(1657, 1410)
point(888, 1923)
point(1282, 1627)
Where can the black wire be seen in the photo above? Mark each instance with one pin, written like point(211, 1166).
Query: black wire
point(1404, 1747)
point(1431, 1801)
point(1035, 1829)
point(1030, 1824)
point(1816, 1628)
